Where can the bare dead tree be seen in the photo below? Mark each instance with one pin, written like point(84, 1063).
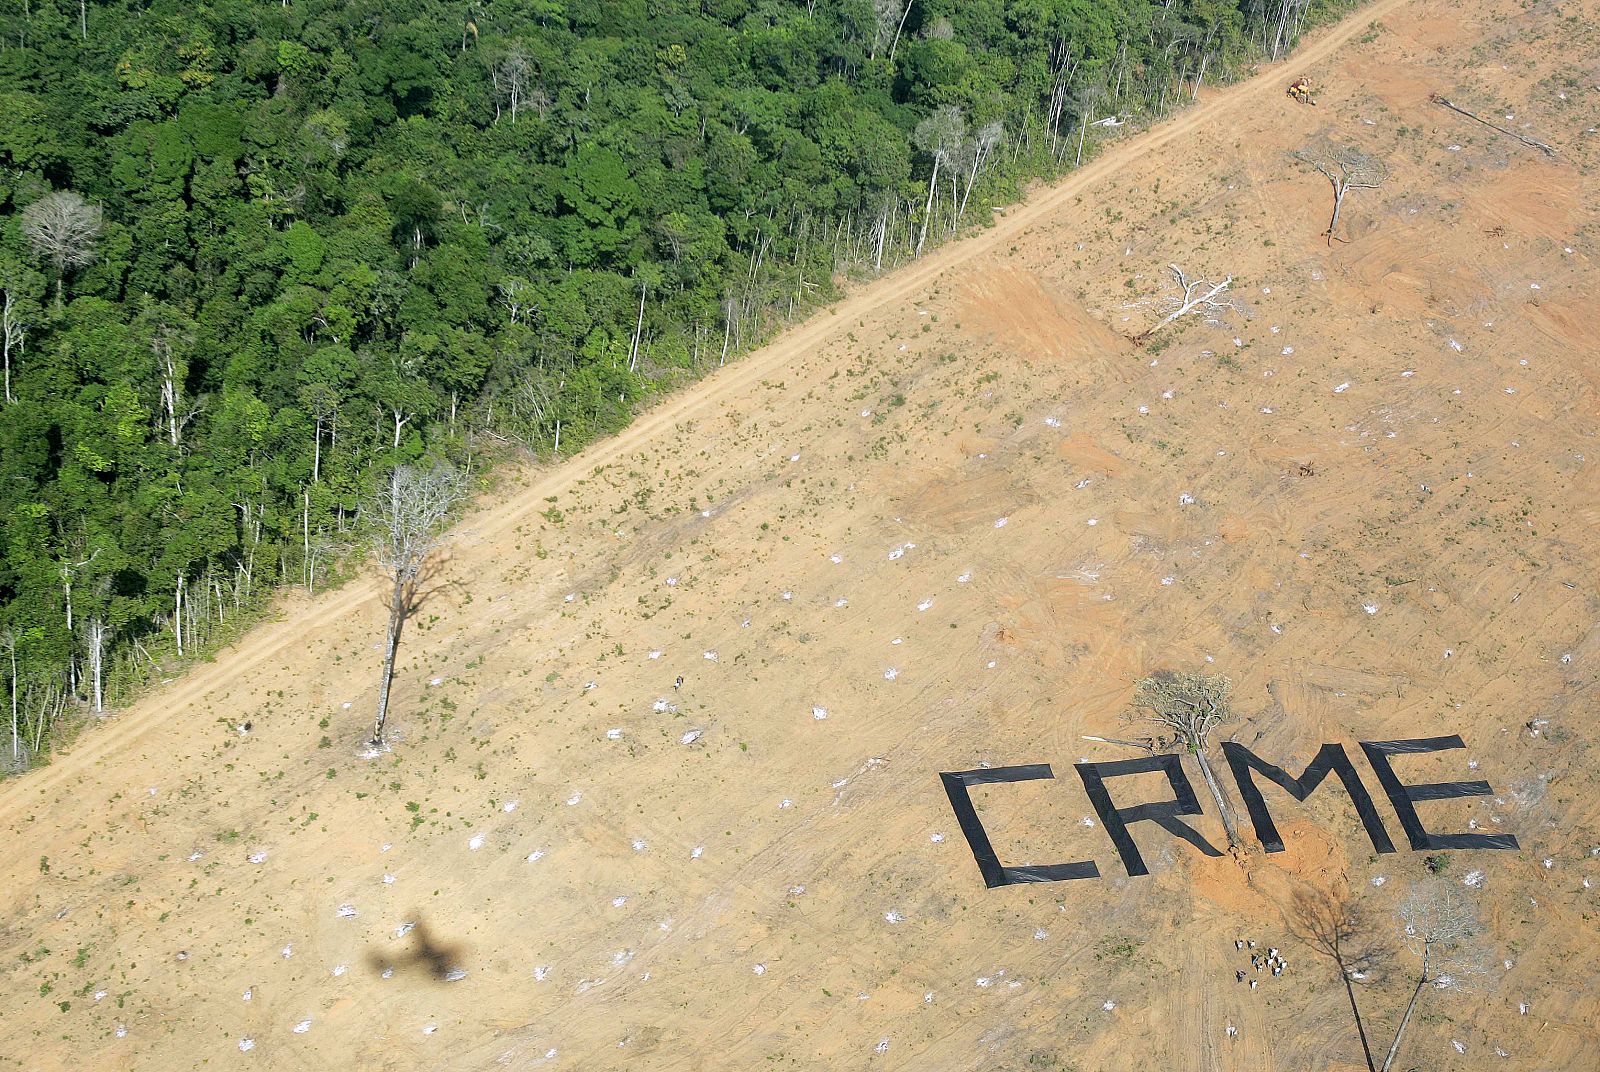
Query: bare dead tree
point(1086, 100)
point(888, 15)
point(166, 346)
point(61, 227)
point(1438, 924)
point(517, 294)
point(941, 136)
point(16, 736)
point(983, 143)
point(512, 77)
point(1334, 924)
point(409, 514)
point(96, 634)
point(322, 401)
point(1192, 706)
point(13, 332)
point(1346, 168)
point(1194, 295)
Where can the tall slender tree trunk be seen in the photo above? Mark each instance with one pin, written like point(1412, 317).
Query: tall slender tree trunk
point(977, 163)
point(896, 42)
point(1361, 1027)
point(1216, 795)
point(97, 644)
point(927, 211)
point(72, 657)
point(11, 643)
point(727, 332)
point(1339, 190)
point(391, 645)
point(1083, 132)
point(11, 333)
point(177, 613)
point(1405, 1021)
point(638, 330)
point(305, 531)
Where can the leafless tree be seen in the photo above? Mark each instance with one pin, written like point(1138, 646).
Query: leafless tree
point(1087, 99)
point(940, 136)
point(1438, 923)
point(96, 634)
point(16, 736)
point(167, 344)
point(13, 332)
point(1192, 706)
point(1336, 927)
point(1194, 295)
point(1286, 24)
point(512, 77)
point(409, 514)
point(982, 144)
point(517, 294)
point(61, 227)
point(890, 15)
point(322, 402)
point(1346, 168)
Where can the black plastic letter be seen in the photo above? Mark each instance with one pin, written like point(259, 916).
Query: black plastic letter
point(994, 874)
point(1163, 813)
point(1405, 797)
point(1332, 758)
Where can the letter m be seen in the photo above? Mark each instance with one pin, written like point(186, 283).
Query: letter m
point(1331, 758)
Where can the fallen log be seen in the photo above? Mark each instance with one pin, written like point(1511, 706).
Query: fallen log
point(1535, 142)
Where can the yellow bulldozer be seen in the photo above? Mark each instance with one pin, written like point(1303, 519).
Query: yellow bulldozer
point(1300, 90)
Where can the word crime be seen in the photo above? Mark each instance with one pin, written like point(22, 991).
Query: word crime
point(1167, 814)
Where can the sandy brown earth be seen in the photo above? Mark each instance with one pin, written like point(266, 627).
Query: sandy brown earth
point(949, 522)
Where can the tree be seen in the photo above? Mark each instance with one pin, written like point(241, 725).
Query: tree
point(61, 227)
point(1192, 706)
point(1438, 923)
point(1334, 925)
point(983, 143)
point(96, 633)
point(512, 76)
point(409, 515)
point(1087, 100)
point(14, 288)
point(888, 14)
point(1346, 168)
point(168, 342)
point(1193, 295)
point(940, 136)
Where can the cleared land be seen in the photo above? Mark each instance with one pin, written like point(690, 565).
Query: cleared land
point(958, 515)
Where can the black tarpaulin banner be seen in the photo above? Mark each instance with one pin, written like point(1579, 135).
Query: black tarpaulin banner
point(1404, 797)
point(1331, 759)
point(1163, 813)
point(994, 872)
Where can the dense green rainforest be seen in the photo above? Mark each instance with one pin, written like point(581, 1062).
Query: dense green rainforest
point(254, 253)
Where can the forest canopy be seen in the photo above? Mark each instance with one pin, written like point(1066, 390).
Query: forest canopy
point(256, 253)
